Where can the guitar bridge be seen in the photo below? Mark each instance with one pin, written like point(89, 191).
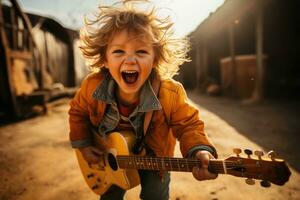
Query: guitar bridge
point(100, 166)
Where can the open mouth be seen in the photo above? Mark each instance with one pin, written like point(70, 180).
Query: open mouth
point(130, 77)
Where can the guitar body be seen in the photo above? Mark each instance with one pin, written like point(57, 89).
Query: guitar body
point(100, 177)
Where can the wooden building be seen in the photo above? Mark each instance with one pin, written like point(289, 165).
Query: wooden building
point(39, 61)
point(249, 48)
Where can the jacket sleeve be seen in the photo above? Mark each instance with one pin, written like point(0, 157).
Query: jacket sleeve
point(187, 126)
point(80, 135)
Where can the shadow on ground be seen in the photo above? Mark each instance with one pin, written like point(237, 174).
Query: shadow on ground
point(273, 125)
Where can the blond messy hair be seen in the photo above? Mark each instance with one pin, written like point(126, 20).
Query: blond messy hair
point(170, 52)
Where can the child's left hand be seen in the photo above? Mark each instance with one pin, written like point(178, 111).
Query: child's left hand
point(203, 173)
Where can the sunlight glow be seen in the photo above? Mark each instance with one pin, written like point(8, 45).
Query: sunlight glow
point(186, 14)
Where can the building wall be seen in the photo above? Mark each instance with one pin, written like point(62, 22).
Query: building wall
point(280, 39)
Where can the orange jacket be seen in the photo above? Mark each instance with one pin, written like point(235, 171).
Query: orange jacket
point(177, 119)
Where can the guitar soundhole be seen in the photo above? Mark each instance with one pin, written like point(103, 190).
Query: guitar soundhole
point(112, 162)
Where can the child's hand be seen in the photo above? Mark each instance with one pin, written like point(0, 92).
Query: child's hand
point(91, 154)
point(203, 173)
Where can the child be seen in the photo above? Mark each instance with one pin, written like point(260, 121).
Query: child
point(135, 50)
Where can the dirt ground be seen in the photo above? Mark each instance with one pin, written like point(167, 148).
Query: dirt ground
point(36, 161)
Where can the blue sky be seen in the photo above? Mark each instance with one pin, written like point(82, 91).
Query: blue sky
point(186, 14)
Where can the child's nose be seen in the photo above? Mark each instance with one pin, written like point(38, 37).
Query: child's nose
point(130, 60)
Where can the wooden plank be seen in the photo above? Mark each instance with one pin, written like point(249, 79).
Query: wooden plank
point(225, 15)
point(198, 66)
point(259, 82)
point(22, 81)
point(27, 23)
point(13, 30)
point(5, 43)
point(26, 55)
point(233, 78)
point(204, 62)
point(2, 30)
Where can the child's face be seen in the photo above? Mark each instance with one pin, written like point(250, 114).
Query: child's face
point(130, 59)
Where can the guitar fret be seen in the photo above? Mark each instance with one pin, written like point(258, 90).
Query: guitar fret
point(133, 160)
point(145, 161)
point(157, 166)
point(190, 166)
point(186, 165)
point(127, 163)
point(181, 164)
point(142, 163)
point(144, 166)
point(166, 163)
point(137, 162)
point(154, 163)
point(151, 163)
point(170, 164)
point(149, 166)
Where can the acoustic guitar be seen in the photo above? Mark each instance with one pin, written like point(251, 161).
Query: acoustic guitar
point(119, 166)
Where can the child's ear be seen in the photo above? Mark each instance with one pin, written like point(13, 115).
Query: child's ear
point(105, 64)
point(155, 62)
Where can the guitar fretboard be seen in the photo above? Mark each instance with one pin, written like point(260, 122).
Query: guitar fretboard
point(166, 163)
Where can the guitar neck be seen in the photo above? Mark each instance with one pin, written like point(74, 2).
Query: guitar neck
point(167, 164)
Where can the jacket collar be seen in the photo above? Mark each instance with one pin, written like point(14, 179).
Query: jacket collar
point(105, 92)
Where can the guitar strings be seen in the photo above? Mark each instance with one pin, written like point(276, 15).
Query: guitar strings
point(173, 162)
point(188, 168)
point(168, 160)
point(217, 167)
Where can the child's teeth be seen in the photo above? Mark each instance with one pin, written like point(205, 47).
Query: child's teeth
point(130, 72)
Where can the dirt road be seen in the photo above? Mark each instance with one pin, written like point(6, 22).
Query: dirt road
point(36, 161)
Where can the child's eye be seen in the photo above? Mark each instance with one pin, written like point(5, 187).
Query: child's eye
point(118, 51)
point(142, 51)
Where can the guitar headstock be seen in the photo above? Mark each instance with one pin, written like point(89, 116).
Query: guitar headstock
point(265, 168)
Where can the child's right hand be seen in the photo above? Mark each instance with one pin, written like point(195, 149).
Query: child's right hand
point(91, 154)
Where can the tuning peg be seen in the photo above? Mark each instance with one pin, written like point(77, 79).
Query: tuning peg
point(265, 183)
point(271, 154)
point(259, 154)
point(250, 181)
point(248, 152)
point(237, 151)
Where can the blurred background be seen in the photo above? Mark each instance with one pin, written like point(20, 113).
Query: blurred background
point(244, 76)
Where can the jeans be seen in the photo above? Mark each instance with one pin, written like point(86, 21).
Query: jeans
point(153, 187)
